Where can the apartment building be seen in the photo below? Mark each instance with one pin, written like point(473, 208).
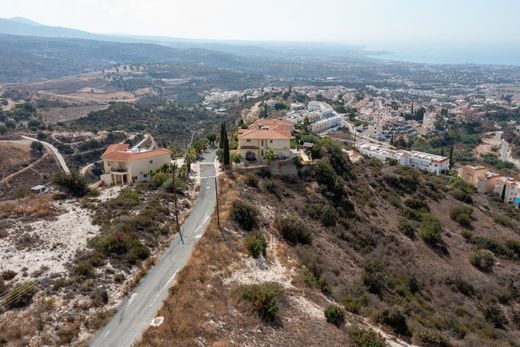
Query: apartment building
point(435, 164)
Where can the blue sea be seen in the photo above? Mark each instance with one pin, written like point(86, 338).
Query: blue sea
point(496, 54)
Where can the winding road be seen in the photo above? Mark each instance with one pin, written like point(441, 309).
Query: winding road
point(138, 311)
point(54, 150)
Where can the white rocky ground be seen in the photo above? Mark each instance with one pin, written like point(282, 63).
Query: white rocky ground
point(53, 242)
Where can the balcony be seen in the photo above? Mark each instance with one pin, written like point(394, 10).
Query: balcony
point(119, 170)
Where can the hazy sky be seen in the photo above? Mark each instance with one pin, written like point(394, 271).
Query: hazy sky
point(348, 21)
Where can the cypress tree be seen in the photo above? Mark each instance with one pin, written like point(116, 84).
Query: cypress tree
point(451, 157)
point(223, 136)
point(226, 156)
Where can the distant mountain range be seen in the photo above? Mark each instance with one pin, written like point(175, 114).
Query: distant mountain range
point(278, 50)
point(32, 51)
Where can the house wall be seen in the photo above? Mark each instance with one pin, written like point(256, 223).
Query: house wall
point(279, 147)
point(486, 185)
point(139, 170)
point(471, 174)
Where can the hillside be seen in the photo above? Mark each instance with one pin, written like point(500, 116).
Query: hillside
point(29, 58)
point(393, 247)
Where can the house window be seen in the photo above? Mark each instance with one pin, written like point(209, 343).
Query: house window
point(145, 175)
point(110, 163)
point(151, 161)
point(270, 141)
point(248, 140)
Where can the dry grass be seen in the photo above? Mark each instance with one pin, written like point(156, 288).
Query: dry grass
point(14, 157)
point(39, 206)
point(16, 333)
point(199, 290)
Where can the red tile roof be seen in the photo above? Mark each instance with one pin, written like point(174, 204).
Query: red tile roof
point(275, 129)
point(121, 152)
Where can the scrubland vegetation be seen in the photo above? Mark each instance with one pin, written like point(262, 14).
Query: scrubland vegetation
point(423, 257)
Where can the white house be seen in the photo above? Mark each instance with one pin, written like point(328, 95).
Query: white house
point(423, 161)
point(124, 166)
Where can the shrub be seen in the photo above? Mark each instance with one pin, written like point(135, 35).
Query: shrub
point(244, 214)
point(335, 315)
point(325, 213)
point(493, 246)
point(482, 259)
point(514, 246)
point(461, 195)
point(366, 337)
point(503, 220)
point(85, 269)
point(462, 215)
point(376, 278)
point(270, 186)
point(293, 230)
point(20, 296)
point(263, 298)
point(351, 304)
point(431, 338)
point(264, 172)
point(8, 275)
point(158, 179)
point(311, 276)
point(126, 199)
point(416, 204)
point(99, 296)
point(37, 147)
point(406, 228)
point(72, 184)
point(251, 180)
point(255, 244)
point(430, 229)
point(493, 314)
point(396, 320)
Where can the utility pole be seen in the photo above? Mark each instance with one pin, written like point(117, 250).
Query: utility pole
point(218, 208)
point(177, 227)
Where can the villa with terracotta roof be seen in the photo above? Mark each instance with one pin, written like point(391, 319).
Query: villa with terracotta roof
point(124, 166)
point(273, 134)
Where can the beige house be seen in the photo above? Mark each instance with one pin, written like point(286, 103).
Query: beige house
point(273, 134)
point(124, 166)
point(470, 174)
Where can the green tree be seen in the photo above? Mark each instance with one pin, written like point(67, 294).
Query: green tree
point(269, 154)
point(335, 315)
point(37, 147)
point(212, 137)
point(226, 155)
point(223, 135)
point(72, 184)
point(236, 158)
point(451, 157)
point(306, 128)
point(431, 229)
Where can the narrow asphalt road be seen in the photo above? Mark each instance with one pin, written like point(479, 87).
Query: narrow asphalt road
point(55, 151)
point(136, 313)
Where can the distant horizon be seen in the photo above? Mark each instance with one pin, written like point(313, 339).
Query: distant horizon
point(414, 51)
point(336, 21)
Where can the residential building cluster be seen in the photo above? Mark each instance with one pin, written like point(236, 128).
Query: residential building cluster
point(486, 182)
point(321, 116)
point(435, 164)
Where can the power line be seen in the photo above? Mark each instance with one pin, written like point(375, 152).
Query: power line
point(90, 245)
